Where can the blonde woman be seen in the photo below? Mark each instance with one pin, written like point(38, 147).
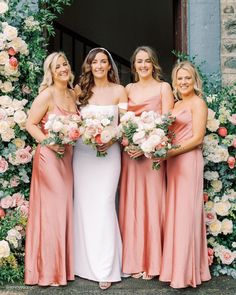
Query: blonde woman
point(49, 251)
point(142, 190)
point(185, 258)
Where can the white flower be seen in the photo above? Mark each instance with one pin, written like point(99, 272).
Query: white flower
point(105, 121)
point(106, 136)
point(57, 126)
point(4, 126)
point(217, 185)
point(20, 117)
point(213, 125)
point(211, 175)
point(8, 135)
point(211, 114)
point(234, 244)
point(222, 208)
point(4, 58)
point(5, 100)
point(226, 256)
point(6, 87)
point(138, 137)
point(215, 227)
point(9, 31)
point(147, 147)
point(127, 116)
point(211, 98)
point(11, 71)
point(4, 249)
point(226, 226)
point(3, 7)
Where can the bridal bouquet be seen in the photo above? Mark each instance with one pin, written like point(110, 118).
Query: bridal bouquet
point(62, 130)
point(148, 133)
point(98, 129)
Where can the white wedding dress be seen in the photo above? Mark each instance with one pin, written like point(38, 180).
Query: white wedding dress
point(97, 246)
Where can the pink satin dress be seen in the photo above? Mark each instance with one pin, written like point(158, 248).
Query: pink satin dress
point(141, 207)
point(49, 244)
point(185, 258)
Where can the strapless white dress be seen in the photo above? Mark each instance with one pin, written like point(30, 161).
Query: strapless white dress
point(97, 240)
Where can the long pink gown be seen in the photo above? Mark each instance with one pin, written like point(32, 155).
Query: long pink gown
point(49, 244)
point(142, 197)
point(185, 258)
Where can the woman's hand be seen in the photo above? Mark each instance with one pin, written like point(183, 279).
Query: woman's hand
point(104, 147)
point(59, 149)
point(133, 153)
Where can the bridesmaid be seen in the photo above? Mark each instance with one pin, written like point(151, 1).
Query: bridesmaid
point(48, 253)
point(185, 259)
point(142, 190)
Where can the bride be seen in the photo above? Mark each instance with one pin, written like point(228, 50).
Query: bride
point(97, 247)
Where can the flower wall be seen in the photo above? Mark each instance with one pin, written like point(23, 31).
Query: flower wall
point(23, 41)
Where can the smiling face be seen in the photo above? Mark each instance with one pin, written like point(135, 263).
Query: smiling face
point(100, 66)
point(143, 64)
point(184, 82)
point(61, 70)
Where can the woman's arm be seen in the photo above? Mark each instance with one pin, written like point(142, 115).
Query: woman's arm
point(199, 118)
point(167, 98)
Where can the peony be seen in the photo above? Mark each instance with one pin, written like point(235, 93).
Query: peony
point(231, 162)
point(226, 226)
point(9, 31)
point(6, 202)
point(4, 249)
point(3, 165)
point(217, 185)
point(226, 256)
point(3, 7)
point(222, 208)
point(215, 228)
point(232, 119)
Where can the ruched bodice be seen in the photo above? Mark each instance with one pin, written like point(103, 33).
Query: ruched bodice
point(152, 103)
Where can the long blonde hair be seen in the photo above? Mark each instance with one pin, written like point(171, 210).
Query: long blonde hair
point(157, 72)
point(48, 68)
point(188, 66)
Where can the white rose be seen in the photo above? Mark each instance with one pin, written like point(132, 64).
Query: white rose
point(7, 87)
point(4, 126)
point(209, 205)
point(11, 71)
point(14, 233)
point(127, 116)
point(222, 208)
point(5, 100)
point(20, 117)
point(3, 7)
point(217, 185)
point(226, 226)
point(211, 175)
point(18, 104)
point(3, 114)
point(138, 137)
point(57, 126)
point(213, 125)
point(106, 136)
point(9, 111)
point(215, 227)
point(4, 249)
point(4, 58)
point(147, 147)
point(8, 135)
point(227, 257)
point(9, 31)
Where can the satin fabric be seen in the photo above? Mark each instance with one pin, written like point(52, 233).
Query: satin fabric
point(185, 258)
point(49, 244)
point(141, 207)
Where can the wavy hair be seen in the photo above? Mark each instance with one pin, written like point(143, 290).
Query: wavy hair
point(86, 81)
point(188, 66)
point(157, 71)
point(49, 67)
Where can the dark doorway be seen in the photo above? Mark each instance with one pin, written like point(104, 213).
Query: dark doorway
point(121, 26)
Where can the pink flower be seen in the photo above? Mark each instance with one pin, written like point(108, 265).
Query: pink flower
point(210, 256)
point(74, 134)
point(25, 89)
point(125, 141)
point(222, 131)
point(232, 119)
point(17, 199)
point(11, 51)
point(3, 165)
point(13, 62)
point(6, 202)
point(14, 181)
point(226, 256)
point(205, 197)
point(98, 139)
point(2, 213)
point(231, 162)
point(24, 208)
point(23, 156)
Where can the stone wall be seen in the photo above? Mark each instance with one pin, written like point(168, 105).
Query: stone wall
point(228, 41)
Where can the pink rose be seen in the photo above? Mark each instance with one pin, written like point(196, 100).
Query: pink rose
point(125, 141)
point(74, 134)
point(205, 197)
point(210, 256)
point(24, 208)
point(232, 119)
point(17, 199)
point(13, 62)
point(11, 51)
point(226, 256)
point(2, 213)
point(23, 156)
point(231, 162)
point(222, 131)
point(3, 165)
point(6, 202)
point(98, 139)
